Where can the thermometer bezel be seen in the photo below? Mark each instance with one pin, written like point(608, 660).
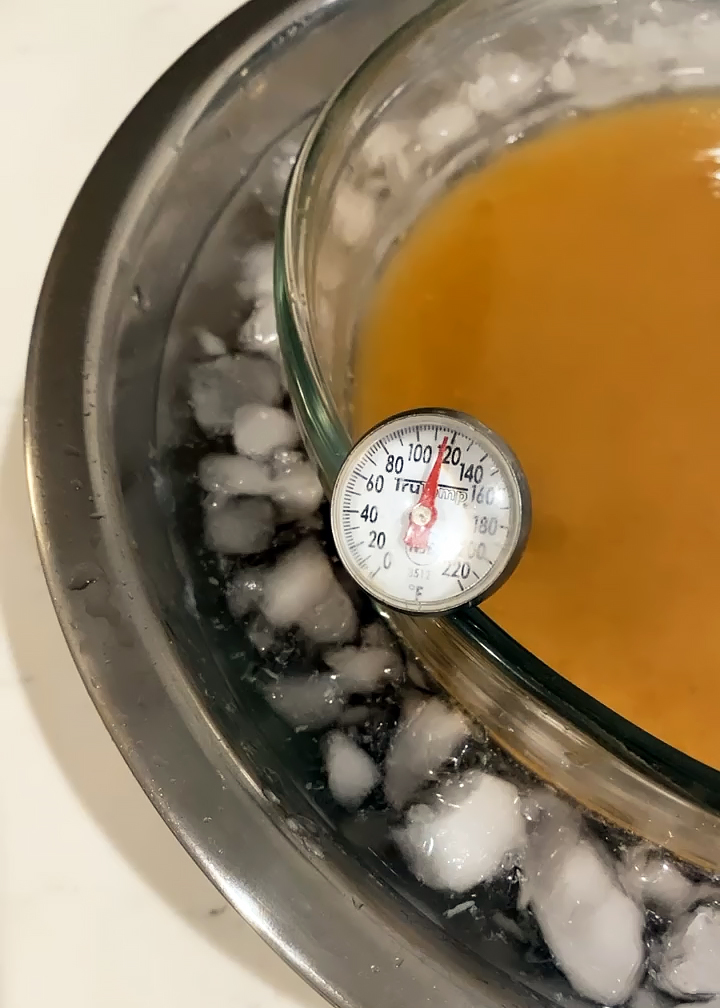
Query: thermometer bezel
point(512, 551)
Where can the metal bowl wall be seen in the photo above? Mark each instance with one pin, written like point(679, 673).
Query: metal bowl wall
point(104, 430)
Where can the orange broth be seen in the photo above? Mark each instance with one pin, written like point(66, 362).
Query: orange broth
point(568, 295)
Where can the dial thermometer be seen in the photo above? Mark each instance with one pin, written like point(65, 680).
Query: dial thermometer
point(430, 511)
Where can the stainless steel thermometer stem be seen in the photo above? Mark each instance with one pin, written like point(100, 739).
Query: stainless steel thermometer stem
point(430, 511)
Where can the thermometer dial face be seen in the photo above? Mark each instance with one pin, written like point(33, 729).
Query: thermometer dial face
point(430, 511)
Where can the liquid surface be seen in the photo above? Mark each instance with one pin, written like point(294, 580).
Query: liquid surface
point(568, 295)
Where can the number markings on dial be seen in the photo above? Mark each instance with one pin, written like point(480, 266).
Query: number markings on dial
point(468, 501)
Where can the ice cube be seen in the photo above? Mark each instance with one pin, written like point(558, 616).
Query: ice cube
point(505, 83)
point(301, 579)
point(704, 38)
point(598, 87)
point(445, 125)
point(306, 702)
point(351, 772)
point(422, 743)
point(272, 191)
point(561, 77)
point(364, 670)
point(241, 526)
point(473, 830)
point(354, 715)
point(385, 148)
point(259, 430)
point(377, 635)
point(233, 475)
point(411, 702)
point(592, 927)
point(262, 636)
point(330, 272)
point(245, 591)
point(593, 47)
point(283, 163)
point(283, 461)
point(259, 333)
point(332, 620)
point(297, 489)
point(210, 344)
point(651, 878)
point(256, 272)
point(688, 965)
point(220, 386)
point(353, 215)
point(647, 998)
point(215, 500)
point(655, 41)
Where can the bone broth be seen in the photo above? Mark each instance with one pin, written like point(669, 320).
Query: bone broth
point(568, 296)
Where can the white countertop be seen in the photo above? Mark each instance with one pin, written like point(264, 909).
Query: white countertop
point(99, 905)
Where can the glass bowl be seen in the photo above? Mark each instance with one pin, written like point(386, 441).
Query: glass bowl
point(459, 82)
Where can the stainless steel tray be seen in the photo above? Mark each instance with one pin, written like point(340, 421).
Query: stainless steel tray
point(98, 363)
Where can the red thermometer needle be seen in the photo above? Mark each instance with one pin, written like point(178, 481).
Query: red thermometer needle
point(424, 514)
